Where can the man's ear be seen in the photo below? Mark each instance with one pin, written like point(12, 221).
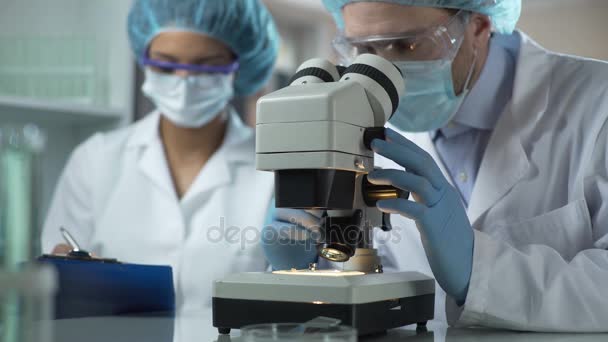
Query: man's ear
point(481, 29)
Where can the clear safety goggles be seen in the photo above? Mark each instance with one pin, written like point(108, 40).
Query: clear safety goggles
point(438, 42)
point(170, 67)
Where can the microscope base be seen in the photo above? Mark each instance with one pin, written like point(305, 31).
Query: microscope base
point(371, 303)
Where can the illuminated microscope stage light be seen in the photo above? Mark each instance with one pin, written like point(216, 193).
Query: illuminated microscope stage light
point(320, 273)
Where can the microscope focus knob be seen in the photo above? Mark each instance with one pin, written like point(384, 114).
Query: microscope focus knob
point(373, 193)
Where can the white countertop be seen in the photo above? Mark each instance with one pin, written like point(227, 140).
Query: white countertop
point(197, 327)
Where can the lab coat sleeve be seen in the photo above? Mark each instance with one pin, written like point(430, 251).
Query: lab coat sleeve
point(72, 205)
point(533, 287)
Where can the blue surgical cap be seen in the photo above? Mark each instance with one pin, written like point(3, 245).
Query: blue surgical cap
point(504, 13)
point(245, 26)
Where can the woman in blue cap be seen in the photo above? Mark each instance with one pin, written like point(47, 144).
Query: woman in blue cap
point(178, 187)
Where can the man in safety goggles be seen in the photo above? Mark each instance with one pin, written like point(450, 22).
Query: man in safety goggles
point(504, 146)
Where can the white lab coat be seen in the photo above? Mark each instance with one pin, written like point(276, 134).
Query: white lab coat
point(539, 206)
point(116, 196)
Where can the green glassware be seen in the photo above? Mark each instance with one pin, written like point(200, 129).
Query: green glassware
point(20, 149)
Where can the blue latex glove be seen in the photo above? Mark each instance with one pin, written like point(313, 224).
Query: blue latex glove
point(441, 218)
point(288, 241)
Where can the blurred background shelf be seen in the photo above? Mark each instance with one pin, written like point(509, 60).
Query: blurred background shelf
point(56, 112)
point(65, 66)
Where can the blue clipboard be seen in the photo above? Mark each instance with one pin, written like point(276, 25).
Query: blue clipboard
point(105, 287)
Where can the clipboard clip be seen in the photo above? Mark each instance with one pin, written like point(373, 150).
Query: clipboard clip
point(77, 253)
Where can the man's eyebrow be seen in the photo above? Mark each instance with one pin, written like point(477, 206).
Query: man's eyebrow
point(416, 29)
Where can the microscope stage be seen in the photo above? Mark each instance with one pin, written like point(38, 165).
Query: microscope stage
point(372, 303)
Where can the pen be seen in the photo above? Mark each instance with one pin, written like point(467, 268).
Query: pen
point(69, 239)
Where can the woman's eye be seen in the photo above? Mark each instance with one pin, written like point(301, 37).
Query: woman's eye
point(215, 63)
point(163, 70)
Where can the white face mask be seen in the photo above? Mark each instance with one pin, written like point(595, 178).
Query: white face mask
point(193, 101)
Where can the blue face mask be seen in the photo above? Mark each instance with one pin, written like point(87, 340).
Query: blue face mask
point(429, 101)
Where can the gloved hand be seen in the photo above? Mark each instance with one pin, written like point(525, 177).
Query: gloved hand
point(289, 241)
point(441, 218)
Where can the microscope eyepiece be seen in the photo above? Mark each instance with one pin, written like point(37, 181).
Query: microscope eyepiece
point(317, 70)
point(383, 82)
point(377, 76)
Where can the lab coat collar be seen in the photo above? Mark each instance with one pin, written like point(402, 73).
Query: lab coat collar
point(237, 147)
point(505, 160)
point(239, 140)
point(146, 132)
point(532, 77)
point(145, 141)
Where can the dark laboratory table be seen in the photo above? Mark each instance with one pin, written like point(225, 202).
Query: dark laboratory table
point(197, 327)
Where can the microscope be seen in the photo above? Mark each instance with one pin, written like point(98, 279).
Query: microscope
point(315, 135)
